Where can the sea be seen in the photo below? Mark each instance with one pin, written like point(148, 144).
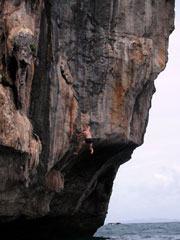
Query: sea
point(139, 231)
point(120, 231)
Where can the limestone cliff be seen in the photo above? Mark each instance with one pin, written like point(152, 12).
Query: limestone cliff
point(64, 64)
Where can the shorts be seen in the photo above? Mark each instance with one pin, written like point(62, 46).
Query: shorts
point(88, 140)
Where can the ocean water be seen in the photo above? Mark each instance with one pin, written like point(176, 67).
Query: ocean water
point(139, 231)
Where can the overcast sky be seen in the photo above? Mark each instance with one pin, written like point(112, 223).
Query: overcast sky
point(148, 186)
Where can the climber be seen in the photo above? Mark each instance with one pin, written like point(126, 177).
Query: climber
point(88, 139)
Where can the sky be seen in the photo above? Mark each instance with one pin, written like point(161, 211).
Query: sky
point(148, 186)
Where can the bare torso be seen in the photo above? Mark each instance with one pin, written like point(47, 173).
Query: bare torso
point(87, 134)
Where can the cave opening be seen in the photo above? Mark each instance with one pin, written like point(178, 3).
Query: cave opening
point(4, 60)
point(12, 70)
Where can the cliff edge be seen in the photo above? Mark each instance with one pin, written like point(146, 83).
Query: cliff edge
point(63, 65)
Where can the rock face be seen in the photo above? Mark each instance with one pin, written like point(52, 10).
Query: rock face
point(65, 64)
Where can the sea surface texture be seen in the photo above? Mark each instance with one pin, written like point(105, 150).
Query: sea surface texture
point(137, 231)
